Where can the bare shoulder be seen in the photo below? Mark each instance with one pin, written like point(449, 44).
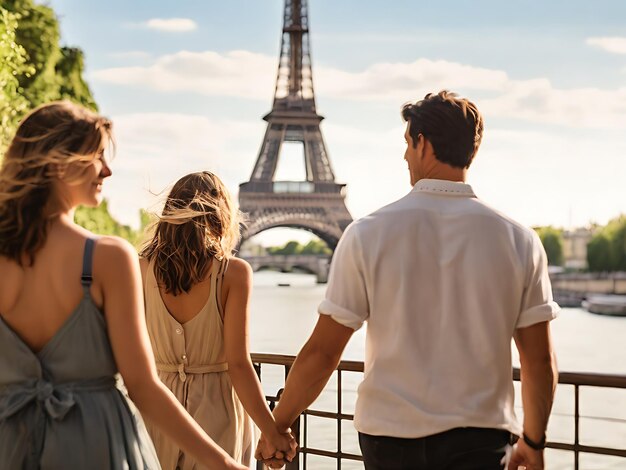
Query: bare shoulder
point(114, 253)
point(112, 245)
point(239, 271)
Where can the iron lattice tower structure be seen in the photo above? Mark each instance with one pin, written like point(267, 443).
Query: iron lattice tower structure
point(316, 204)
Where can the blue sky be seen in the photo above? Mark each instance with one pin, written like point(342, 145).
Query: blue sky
point(187, 83)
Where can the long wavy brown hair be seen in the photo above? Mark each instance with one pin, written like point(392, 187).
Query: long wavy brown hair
point(55, 141)
point(200, 222)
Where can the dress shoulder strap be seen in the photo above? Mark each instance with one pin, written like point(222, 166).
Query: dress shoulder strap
point(86, 277)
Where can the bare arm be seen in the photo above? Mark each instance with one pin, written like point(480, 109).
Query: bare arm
point(539, 377)
point(237, 287)
point(312, 368)
point(117, 269)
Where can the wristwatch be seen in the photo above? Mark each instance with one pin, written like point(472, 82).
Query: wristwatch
point(535, 445)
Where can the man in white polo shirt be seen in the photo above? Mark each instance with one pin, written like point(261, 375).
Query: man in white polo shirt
point(445, 283)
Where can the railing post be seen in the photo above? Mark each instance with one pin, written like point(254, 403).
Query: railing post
point(339, 412)
point(576, 424)
point(295, 429)
point(257, 369)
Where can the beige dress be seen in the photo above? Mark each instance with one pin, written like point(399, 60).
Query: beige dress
point(191, 363)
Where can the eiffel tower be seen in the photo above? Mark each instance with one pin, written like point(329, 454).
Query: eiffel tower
point(316, 204)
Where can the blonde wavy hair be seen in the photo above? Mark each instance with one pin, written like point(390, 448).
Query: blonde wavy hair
point(58, 140)
point(200, 222)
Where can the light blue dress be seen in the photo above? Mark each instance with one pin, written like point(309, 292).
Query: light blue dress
point(61, 408)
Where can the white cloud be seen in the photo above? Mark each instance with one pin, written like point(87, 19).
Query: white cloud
point(497, 94)
point(401, 81)
point(172, 25)
point(615, 44)
point(236, 73)
point(538, 101)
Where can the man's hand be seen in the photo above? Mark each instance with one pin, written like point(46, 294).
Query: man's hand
point(276, 451)
point(524, 456)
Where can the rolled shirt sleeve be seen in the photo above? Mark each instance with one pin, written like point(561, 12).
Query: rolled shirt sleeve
point(346, 298)
point(537, 303)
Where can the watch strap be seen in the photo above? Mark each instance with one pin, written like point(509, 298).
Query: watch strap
point(535, 445)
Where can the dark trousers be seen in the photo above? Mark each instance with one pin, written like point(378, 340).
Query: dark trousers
point(456, 449)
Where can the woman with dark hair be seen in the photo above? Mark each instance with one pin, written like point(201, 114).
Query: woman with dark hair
point(72, 316)
point(197, 298)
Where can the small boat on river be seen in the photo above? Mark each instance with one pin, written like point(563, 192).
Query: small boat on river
point(608, 304)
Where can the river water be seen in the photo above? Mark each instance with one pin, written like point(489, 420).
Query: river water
point(283, 317)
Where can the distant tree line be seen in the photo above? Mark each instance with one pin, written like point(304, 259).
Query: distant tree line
point(606, 251)
point(313, 247)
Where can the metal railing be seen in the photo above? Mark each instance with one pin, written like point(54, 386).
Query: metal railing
point(301, 426)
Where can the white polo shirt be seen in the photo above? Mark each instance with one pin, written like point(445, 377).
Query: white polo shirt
point(443, 281)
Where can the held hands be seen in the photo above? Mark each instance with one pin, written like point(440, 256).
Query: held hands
point(525, 457)
point(276, 450)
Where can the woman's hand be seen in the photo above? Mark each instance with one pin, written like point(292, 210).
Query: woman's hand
point(277, 449)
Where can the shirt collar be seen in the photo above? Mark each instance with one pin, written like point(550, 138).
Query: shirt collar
point(444, 188)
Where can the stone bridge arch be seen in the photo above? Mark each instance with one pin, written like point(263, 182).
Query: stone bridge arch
point(328, 231)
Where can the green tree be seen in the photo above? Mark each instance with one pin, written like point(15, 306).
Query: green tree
point(618, 244)
point(290, 248)
point(599, 254)
point(607, 249)
point(38, 33)
point(313, 247)
point(35, 69)
point(13, 65)
point(552, 240)
point(316, 247)
point(72, 86)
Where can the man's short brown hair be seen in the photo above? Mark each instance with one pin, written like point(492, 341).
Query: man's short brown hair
point(453, 126)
